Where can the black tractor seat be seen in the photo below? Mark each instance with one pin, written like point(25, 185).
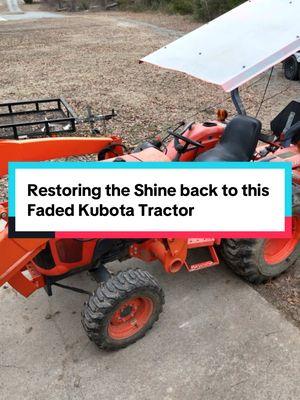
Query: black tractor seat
point(238, 142)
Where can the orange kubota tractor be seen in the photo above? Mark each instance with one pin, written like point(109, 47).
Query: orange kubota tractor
point(125, 305)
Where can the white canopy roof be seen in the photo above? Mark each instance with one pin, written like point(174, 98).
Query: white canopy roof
point(237, 46)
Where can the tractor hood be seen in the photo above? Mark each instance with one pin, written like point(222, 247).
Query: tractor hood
point(237, 46)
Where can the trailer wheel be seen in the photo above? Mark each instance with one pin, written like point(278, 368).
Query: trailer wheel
point(123, 309)
point(258, 260)
point(291, 68)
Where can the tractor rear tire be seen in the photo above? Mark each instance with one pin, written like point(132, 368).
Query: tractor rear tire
point(123, 309)
point(259, 260)
point(291, 68)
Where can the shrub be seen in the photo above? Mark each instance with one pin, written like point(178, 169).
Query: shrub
point(83, 5)
point(182, 7)
point(209, 9)
point(203, 10)
point(170, 6)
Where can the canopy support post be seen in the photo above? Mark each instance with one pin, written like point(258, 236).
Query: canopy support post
point(237, 101)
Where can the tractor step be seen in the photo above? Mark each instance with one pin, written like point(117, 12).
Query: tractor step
point(206, 260)
point(195, 243)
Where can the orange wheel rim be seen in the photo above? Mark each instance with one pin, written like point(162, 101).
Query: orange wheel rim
point(277, 250)
point(131, 316)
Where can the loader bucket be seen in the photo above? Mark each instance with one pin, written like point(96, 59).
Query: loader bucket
point(16, 254)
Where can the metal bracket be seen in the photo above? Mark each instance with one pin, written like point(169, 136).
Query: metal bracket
point(237, 101)
point(72, 288)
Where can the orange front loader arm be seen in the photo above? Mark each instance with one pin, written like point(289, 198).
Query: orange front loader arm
point(16, 254)
point(49, 148)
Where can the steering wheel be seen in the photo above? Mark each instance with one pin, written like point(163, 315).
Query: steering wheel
point(178, 136)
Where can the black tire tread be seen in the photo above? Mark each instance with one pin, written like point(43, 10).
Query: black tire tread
point(117, 289)
point(239, 254)
point(296, 75)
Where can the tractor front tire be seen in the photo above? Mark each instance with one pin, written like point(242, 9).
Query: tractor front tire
point(123, 309)
point(291, 68)
point(259, 260)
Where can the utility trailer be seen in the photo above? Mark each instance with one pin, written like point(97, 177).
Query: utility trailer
point(44, 129)
point(291, 67)
point(33, 118)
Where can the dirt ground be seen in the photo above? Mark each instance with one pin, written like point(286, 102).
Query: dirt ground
point(92, 59)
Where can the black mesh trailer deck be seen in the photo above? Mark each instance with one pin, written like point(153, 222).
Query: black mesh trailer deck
point(36, 118)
